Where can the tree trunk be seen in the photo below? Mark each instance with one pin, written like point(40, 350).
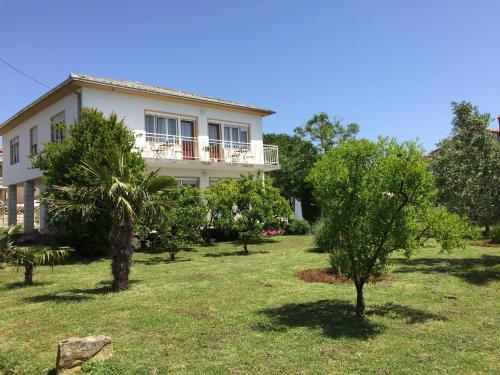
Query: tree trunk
point(360, 300)
point(487, 231)
point(245, 248)
point(172, 256)
point(121, 252)
point(28, 274)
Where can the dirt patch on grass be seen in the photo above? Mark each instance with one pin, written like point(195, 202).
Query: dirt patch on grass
point(326, 275)
point(485, 244)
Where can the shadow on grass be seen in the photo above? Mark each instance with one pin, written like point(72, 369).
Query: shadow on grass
point(233, 253)
point(20, 284)
point(337, 318)
point(411, 315)
point(478, 271)
point(54, 297)
point(161, 260)
point(316, 250)
point(76, 294)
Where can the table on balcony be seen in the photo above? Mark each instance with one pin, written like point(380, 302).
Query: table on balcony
point(163, 150)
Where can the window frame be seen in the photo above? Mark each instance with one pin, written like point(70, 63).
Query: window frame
point(57, 135)
point(179, 180)
point(33, 146)
point(168, 116)
point(14, 150)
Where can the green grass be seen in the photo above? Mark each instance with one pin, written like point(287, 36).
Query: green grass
point(217, 312)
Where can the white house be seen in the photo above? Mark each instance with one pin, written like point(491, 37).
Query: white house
point(193, 138)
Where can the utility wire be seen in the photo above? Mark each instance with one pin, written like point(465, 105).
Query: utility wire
point(40, 82)
point(24, 74)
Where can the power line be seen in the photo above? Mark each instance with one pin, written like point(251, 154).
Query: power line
point(40, 82)
point(24, 74)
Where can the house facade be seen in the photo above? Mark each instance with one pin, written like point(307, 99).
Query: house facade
point(195, 139)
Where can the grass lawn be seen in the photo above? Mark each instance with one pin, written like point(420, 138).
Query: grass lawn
point(215, 311)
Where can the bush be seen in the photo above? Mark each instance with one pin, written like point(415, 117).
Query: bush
point(495, 235)
point(321, 236)
point(297, 226)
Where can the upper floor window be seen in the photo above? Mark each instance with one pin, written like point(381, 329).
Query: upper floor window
point(57, 127)
point(14, 150)
point(235, 135)
point(163, 128)
point(34, 140)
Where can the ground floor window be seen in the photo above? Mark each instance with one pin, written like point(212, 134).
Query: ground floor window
point(213, 180)
point(188, 181)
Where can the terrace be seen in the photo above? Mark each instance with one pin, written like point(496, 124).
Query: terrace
point(173, 147)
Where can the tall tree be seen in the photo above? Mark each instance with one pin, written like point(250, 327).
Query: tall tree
point(372, 198)
point(326, 132)
point(297, 156)
point(118, 190)
point(466, 166)
point(60, 162)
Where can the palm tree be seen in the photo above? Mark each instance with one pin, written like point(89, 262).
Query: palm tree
point(31, 257)
point(7, 235)
point(123, 191)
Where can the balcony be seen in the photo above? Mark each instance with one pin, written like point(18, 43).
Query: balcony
point(179, 148)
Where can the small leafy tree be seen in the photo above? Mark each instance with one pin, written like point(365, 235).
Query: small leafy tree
point(117, 189)
point(372, 197)
point(257, 206)
point(220, 197)
point(326, 133)
point(466, 166)
point(180, 223)
point(31, 257)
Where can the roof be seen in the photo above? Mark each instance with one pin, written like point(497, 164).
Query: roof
point(75, 81)
point(165, 91)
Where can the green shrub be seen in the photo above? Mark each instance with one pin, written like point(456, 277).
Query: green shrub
point(495, 235)
point(297, 226)
point(321, 236)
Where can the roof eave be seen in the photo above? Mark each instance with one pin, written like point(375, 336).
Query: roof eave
point(260, 111)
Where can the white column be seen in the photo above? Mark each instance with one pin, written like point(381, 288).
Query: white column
point(29, 206)
point(204, 179)
point(12, 205)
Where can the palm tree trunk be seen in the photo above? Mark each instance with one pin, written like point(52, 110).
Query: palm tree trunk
point(28, 274)
point(121, 252)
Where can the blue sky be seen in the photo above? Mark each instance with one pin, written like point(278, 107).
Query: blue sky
point(392, 66)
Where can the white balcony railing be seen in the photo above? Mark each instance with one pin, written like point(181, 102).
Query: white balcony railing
point(163, 146)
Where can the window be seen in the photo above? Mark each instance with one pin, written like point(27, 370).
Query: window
point(188, 181)
point(160, 128)
point(14, 150)
point(213, 180)
point(57, 127)
point(34, 140)
point(235, 136)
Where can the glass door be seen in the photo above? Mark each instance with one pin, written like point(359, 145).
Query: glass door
point(187, 136)
point(214, 146)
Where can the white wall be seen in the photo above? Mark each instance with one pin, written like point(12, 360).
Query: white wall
point(202, 175)
point(131, 109)
point(21, 171)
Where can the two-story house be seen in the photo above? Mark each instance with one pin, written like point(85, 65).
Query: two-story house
point(193, 138)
